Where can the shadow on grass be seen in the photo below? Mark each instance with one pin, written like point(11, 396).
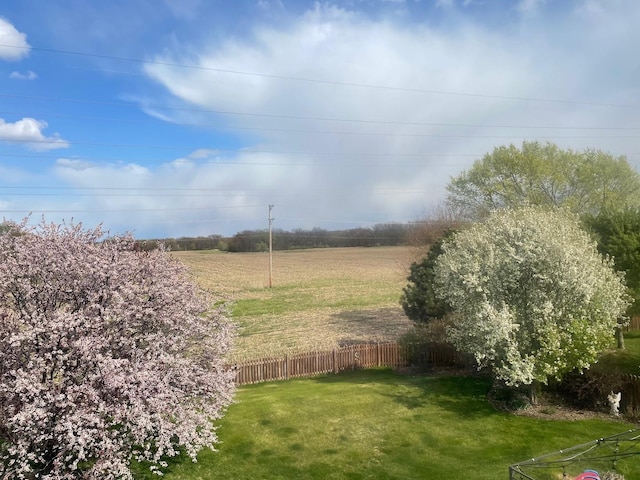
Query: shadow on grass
point(360, 375)
point(466, 397)
point(461, 395)
point(383, 322)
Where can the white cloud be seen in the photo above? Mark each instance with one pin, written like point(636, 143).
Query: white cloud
point(74, 164)
point(23, 76)
point(28, 131)
point(269, 4)
point(175, 197)
point(13, 44)
point(203, 153)
point(129, 174)
point(328, 43)
point(327, 165)
point(530, 6)
point(184, 8)
point(452, 3)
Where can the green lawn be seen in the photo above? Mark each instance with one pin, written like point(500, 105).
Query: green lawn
point(376, 424)
point(622, 361)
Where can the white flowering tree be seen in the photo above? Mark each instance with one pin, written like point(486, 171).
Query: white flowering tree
point(107, 354)
point(534, 299)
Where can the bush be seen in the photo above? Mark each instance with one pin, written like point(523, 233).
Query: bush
point(589, 390)
point(419, 300)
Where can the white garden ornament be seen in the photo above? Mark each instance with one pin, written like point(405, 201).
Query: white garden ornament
point(614, 403)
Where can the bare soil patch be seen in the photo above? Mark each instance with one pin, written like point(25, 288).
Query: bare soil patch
point(553, 407)
point(560, 412)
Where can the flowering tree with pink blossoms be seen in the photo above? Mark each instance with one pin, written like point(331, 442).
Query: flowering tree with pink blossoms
point(107, 355)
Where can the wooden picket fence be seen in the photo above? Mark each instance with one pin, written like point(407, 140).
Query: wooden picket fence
point(630, 388)
point(351, 357)
point(634, 324)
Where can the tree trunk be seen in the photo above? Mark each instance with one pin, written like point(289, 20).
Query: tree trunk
point(620, 336)
point(534, 391)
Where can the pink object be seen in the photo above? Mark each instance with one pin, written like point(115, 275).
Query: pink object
point(588, 475)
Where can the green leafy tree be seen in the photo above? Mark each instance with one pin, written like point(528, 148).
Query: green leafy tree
point(588, 182)
point(618, 235)
point(534, 299)
point(419, 300)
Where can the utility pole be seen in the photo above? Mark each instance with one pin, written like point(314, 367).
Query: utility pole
point(270, 248)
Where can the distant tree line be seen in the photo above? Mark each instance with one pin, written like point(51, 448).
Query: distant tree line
point(388, 234)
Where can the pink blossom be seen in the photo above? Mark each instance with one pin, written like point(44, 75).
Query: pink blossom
point(107, 354)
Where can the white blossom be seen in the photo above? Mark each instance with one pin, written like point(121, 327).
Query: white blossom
point(533, 297)
point(107, 354)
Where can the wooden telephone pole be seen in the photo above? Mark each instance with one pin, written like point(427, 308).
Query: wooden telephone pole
point(270, 249)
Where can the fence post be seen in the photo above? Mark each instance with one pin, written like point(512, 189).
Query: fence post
point(286, 367)
point(335, 361)
point(353, 357)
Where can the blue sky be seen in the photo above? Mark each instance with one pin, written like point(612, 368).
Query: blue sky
point(189, 117)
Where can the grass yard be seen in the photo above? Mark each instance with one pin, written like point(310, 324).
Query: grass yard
point(320, 297)
point(376, 424)
point(622, 361)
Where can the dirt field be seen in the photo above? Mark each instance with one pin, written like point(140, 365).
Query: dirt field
point(320, 298)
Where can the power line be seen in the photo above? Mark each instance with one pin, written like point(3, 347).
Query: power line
point(154, 189)
point(363, 223)
point(327, 164)
point(128, 210)
point(122, 188)
point(368, 134)
point(274, 115)
point(315, 80)
point(93, 194)
point(218, 161)
point(252, 151)
point(97, 192)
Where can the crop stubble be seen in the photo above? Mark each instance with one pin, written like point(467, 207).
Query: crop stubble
point(321, 298)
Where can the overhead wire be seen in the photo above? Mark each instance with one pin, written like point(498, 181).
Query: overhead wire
point(283, 130)
point(151, 192)
point(312, 80)
point(127, 210)
point(278, 115)
point(299, 117)
point(253, 151)
point(370, 134)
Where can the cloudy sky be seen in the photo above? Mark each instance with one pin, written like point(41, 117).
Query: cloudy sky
point(190, 117)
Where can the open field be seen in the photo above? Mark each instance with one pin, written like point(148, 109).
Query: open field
point(320, 299)
point(377, 424)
